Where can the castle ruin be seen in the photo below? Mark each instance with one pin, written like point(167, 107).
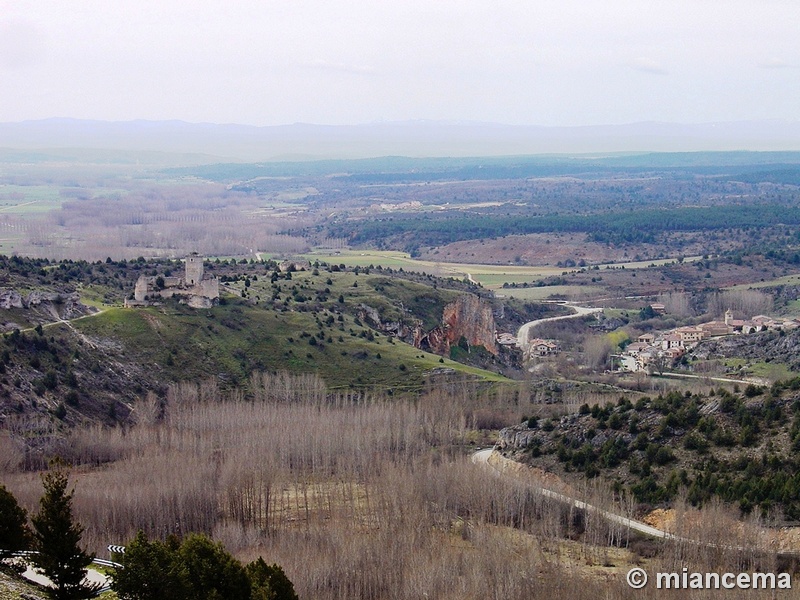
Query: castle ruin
point(194, 288)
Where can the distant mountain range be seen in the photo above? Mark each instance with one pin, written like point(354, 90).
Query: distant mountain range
point(214, 143)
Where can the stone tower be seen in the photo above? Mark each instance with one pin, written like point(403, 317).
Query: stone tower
point(140, 291)
point(194, 269)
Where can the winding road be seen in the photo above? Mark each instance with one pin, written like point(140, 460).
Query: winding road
point(482, 458)
point(523, 335)
point(93, 576)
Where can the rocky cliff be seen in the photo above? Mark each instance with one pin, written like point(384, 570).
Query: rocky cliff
point(40, 307)
point(406, 330)
point(769, 346)
point(469, 317)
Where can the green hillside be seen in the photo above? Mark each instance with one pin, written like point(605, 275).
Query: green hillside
point(233, 340)
point(59, 360)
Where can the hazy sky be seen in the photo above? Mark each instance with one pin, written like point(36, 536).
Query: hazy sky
point(534, 62)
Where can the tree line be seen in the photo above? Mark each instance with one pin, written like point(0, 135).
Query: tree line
point(633, 226)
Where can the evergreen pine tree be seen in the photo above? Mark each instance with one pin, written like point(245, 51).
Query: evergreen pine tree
point(269, 582)
point(151, 571)
point(14, 532)
point(56, 539)
point(213, 573)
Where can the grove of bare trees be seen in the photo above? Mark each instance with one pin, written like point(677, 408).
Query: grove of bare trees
point(743, 303)
point(356, 496)
point(170, 220)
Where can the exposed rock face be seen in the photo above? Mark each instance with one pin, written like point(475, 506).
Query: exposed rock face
point(43, 307)
point(371, 315)
point(769, 346)
point(516, 438)
point(519, 437)
point(10, 299)
point(433, 340)
point(469, 317)
point(399, 329)
point(287, 266)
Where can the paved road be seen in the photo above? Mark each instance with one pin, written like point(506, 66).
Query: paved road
point(580, 311)
point(92, 576)
point(482, 457)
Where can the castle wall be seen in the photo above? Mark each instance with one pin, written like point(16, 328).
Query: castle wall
point(197, 291)
point(208, 288)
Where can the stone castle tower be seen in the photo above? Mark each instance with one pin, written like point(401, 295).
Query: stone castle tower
point(194, 269)
point(191, 289)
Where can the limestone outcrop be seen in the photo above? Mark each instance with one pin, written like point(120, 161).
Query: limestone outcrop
point(10, 299)
point(399, 329)
point(469, 317)
point(42, 307)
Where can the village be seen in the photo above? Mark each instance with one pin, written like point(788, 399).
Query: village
point(654, 350)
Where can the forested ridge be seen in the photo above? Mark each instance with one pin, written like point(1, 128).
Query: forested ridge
point(740, 447)
point(630, 226)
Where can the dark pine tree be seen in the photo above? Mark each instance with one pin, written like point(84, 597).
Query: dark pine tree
point(269, 582)
point(152, 570)
point(14, 532)
point(57, 540)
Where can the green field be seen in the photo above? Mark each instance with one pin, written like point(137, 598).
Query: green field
point(792, 309)
point(364, 258)
point(787, 280)
point(489, 276)
point(571, 292)
point(27, 200)
point(19, 203)
point(772, 371)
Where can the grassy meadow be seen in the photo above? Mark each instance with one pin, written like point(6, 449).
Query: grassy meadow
point(237, 338)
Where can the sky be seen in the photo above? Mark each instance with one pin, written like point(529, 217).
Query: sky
point(337, 62)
